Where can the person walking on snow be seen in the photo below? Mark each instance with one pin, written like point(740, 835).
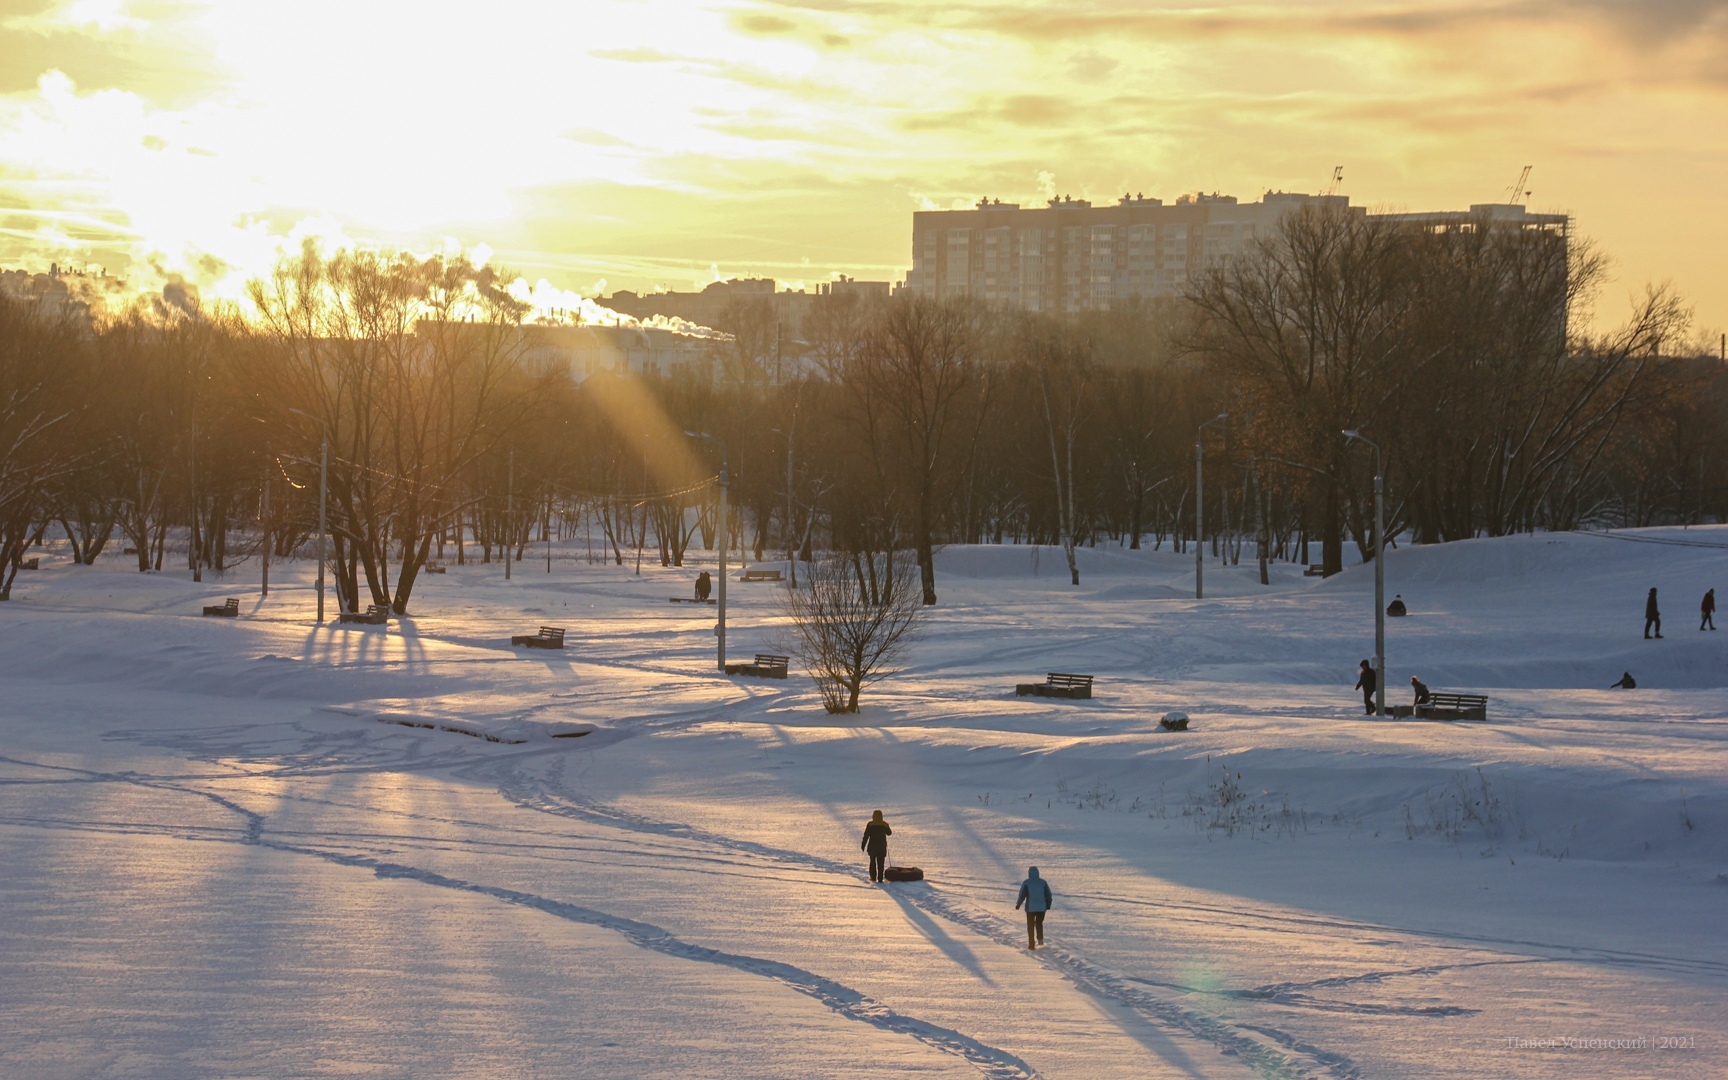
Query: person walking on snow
point(1706, 609)
point(1367, 682)
point(1035, 894)
point(1652, 616)
point(875, 843)
point(704, 585)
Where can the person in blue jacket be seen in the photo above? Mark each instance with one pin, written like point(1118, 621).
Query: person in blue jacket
point(1035, 894)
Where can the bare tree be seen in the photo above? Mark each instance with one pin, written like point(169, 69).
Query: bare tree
point(1312, 328)
point(37, 371)
point(411, 369)
point(1062, 364)
point(911, 379)
point(852, 621)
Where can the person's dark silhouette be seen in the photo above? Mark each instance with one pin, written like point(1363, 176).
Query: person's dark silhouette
point(1707, 611)
point(1652, 615)
point(1423, 697)
point(1627, 682)
point(1396, 607)
point(1035, 894)
point(704, 584)
point(875, 843)
point(1367, 682)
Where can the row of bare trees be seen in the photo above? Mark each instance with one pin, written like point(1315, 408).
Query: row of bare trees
point(1458, 350)
point(408, 389)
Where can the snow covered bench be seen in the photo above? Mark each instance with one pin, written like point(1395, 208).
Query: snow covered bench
point(1443, 706)
point(1058, 684)
point(549, 637)
point(767, 666)
point(230, 610)
point(33, 563)
point(374, 615)
point(762, 575)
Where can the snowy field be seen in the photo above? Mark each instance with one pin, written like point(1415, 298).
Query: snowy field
point(224, 855)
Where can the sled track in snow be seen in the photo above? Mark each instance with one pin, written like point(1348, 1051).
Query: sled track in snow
point(991, 1062)
point(1274, 1054)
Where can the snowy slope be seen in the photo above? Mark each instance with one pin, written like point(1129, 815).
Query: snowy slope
point(227, 854)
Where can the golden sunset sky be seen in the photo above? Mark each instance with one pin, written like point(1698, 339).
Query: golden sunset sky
point(645, 143)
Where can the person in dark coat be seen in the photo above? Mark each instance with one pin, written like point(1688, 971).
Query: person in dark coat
point(1035, 894)
point(1627, 682)
point(1652, 616)
point(1396, 607)
point(875, 843)
point(1706, 611)
point(1367, 682)
point(704, 584)
point(1423, 697)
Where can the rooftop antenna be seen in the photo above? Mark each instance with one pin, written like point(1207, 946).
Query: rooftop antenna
point(1337, 179)
point(1516, 194)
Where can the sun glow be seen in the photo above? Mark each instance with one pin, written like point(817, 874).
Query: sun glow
point(644, 140)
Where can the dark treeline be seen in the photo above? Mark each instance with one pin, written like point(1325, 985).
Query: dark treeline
point(900, 424)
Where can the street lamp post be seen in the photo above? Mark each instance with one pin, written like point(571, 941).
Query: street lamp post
point(323, 500)
point(264, 515)
point(323, 517)
point(1200, 505)
point(1379, 572)
point(720, 626)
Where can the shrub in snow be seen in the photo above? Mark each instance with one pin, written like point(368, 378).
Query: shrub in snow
point(852, 620)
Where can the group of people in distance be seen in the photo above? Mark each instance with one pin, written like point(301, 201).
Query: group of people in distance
point(1653, 613)
point(1368, 680)
point(1035, 895)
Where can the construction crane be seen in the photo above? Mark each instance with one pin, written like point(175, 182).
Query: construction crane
point(1337, 179)
point(1517, 193)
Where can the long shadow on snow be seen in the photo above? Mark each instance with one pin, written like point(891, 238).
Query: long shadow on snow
point(991, 1062)
point(1274, 1054)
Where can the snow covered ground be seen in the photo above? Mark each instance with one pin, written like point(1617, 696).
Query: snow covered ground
point(226, 854)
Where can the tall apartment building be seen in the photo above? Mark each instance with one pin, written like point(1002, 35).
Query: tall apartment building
point(1072, 256)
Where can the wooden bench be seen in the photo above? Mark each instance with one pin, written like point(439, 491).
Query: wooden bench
point(1443, 706)
point(549, 637)
point(762, 575)
point(1314, 570)
point(692, 600)
point(1058, 684)
point(433, 568)
point(374, 615)
point(767, 666)
point(230, 610)
point(30, 564)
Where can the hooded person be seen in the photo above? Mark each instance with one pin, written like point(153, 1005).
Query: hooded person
point(1367, 681)
point(1707, 611)
point(1652, 615)
point(1627, 682)
point(1035, 894)
point(875, 844)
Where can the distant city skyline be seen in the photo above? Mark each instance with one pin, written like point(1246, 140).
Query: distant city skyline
point(663, 143)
